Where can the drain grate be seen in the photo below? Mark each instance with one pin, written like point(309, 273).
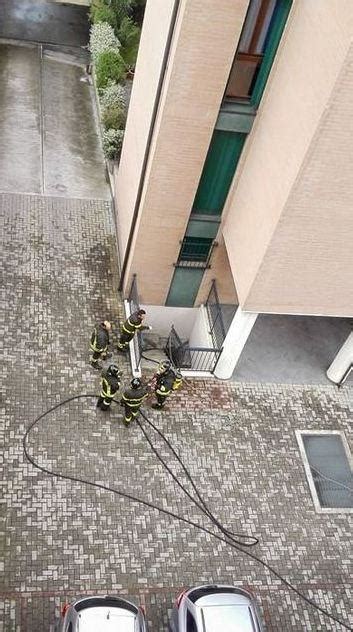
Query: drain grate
point(328, 466)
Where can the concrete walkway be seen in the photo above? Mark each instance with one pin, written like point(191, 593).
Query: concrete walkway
point(20, 163)
point(48, 123)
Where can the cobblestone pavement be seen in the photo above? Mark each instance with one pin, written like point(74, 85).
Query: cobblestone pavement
point(64, 539)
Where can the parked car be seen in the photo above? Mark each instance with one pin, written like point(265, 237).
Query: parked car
point(102, 614)
point(215, 609)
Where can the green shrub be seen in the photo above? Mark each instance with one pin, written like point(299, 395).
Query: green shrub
point(114, 11)
point(102, 38)
point(101, 12)
point(114, 117)
point(129, 36)
point(113, 94)
point(110, 67)
point(112, 143)
point(121, 8)
point(138, 10)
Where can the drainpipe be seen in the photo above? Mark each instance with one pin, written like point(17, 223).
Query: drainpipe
point(149, 140)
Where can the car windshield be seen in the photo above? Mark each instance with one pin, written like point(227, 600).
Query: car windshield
point(230, 618)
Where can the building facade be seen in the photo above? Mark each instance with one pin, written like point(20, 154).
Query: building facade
point(237, 160)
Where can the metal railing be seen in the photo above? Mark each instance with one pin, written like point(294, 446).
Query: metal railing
point(194, 256)
point(214, 312)
point(190, 358)
point(134, 301)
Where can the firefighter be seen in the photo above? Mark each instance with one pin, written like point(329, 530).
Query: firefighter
point(110, 384)
point(130, 327)
point(99, 343)
point(132, 399)
point(166, 380)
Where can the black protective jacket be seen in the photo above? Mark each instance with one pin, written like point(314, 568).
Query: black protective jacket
point(133, 324)
point(110, 384)
point(134, 397)
point(99, 338)
point(164, 382)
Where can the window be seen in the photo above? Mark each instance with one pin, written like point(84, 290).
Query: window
point(328, 467)
point(257, 46)
point(249, 55)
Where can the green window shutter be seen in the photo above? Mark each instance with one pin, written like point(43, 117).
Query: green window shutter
point(278, 22)
point(218, 172)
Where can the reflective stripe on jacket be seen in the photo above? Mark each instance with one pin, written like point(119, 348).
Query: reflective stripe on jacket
point(177, 383)
point(109, 386)
point(162, 390)
point(164, 383)
point(132, 324)
point(134, 397)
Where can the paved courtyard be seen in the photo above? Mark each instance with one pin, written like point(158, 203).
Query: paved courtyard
point(63, 539)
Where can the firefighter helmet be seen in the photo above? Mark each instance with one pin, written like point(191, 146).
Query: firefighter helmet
point(113, 369)
point(164, 366)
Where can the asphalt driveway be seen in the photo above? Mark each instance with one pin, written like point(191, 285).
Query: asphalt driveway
point(44, 21)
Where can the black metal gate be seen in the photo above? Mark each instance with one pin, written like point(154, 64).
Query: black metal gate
point(214, 312)
point(190, 358)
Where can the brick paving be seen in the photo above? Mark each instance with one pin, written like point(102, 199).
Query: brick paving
point(64, 539)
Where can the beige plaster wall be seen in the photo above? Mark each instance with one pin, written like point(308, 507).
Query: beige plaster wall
point(148, 66)
point(202, 52)
point(221, 271)
point(308, 266)
point(283, 224)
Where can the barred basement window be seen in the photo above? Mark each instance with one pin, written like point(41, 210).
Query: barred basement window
point(195, 249)
point(329, 469)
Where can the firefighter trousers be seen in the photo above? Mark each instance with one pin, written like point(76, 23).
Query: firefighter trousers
point(130, 413)
point(124, 340)
point(104, 402)
point(161, 399)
